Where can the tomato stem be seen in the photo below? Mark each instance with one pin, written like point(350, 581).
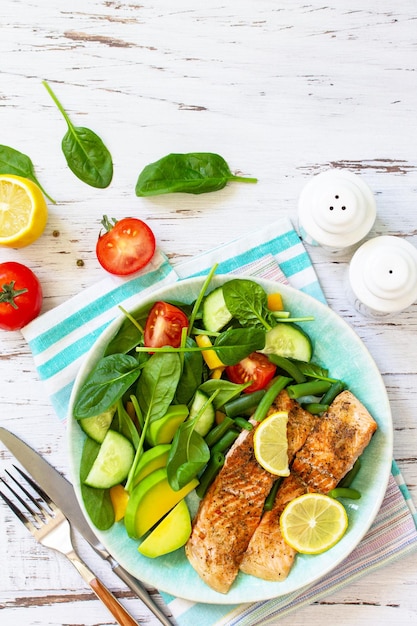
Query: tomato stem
point(107, 223)
point(9, 293)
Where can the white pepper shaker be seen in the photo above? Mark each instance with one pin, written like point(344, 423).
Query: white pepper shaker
point(383, 276)
point(336, 210)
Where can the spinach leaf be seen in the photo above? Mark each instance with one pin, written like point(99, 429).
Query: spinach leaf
point(236, 344)
point(192, 372)
point(313, 370)
point(248, 303)
point(85, 153)
point(155, 392)
point(188, 455)
point(14, 162)
point(96, 501)
point(195, 172)
point(226, 390)
point(157, 384)
point(123, 423)
point(127, 337)
point(108, 381)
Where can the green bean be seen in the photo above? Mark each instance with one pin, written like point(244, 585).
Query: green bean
point(213, 467)
point(311, 388)
point(242, 423)
point(269, 502)
point(265, 404)
point(336, 388)
point(349, 477)
point(315, 408)
point(226, 441)
point(345, 492)
point(218, 431)
point(245, 404)
point(288, 366)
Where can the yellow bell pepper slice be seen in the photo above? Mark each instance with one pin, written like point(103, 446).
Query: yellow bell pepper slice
point(210, 356)
point(275, 302)
point(119, 498)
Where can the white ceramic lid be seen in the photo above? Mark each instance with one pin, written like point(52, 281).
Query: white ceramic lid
point(336, 208)
point(383, 274)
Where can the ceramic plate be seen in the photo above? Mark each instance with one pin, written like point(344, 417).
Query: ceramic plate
point(339, 349)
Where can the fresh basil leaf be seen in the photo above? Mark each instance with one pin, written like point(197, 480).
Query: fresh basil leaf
point(188, 455)
point(14, 162)
point(195, 172)
point(97, 502)
point(108, 381)
point(158, 383)
point(236, 344)
point(85, 153)
point(248, 303)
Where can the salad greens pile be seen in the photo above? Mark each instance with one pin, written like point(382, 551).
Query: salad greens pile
point(155, 380)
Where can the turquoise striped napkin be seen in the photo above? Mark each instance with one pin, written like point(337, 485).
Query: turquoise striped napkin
point(60, 338)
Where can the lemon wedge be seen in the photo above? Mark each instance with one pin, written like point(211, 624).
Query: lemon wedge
point(23, 211)
point(313, 523)
point(270, 444)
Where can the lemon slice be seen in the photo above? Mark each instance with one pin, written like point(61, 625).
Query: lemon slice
point(313, 523)
point(23, 211)
point(270, 444)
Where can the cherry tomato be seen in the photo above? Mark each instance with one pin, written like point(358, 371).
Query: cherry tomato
point(20, 295)
point(256, 367)
point(126, 247)
point(164, 325)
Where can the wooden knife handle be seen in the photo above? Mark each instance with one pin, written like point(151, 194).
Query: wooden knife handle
point(119, 613)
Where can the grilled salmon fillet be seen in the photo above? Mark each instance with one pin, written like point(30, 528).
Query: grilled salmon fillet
point(233, 506)
point(228, 515)
point(299, 426)
point(330, 450)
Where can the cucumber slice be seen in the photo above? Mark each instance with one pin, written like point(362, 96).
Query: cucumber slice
point(290, 341)
point(97, 426)
point(113, 461)
point(215, 312)
point(206, 418)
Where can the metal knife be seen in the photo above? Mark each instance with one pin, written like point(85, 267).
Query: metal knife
point(62, 492)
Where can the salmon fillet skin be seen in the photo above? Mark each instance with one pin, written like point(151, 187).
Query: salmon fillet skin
point(329, 452)
point(228, 515)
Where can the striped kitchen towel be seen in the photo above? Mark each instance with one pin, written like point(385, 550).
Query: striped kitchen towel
point(59, 340)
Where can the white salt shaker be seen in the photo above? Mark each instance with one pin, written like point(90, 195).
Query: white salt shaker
point(336, 210)
point(383, 276)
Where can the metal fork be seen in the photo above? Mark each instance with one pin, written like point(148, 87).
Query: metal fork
point(51, 528)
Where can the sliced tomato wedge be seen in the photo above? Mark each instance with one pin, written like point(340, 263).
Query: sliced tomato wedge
point(164, 326)
point(256, 367)
point(126, 247)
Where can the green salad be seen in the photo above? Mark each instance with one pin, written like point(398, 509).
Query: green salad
point(175, 387)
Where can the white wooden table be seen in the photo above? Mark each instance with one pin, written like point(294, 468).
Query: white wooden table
point(283, 90)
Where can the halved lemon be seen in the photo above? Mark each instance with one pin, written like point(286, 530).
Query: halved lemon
point(313, 523)
point(23, 211)
point(270, 444)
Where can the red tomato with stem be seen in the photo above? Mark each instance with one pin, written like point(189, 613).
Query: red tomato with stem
point(20, 295)
point(164, 326)
point(126, 247)
point(256, 367)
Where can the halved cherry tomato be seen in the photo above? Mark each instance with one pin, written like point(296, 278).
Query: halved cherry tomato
point(164, 325)
point(20, 295)
point(126, 247)
point(256, 367)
